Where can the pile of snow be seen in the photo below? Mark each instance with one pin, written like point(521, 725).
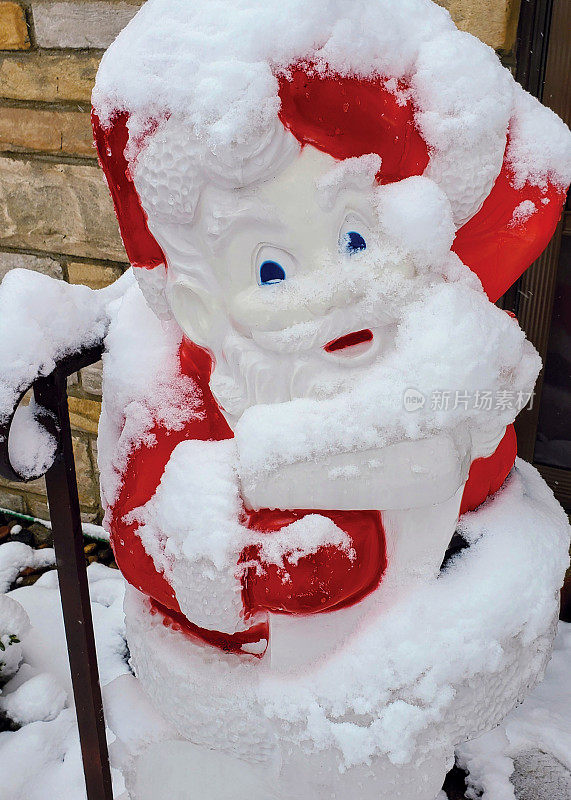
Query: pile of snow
point(31, 447)
point(532, 746)
point(42, 760)
point(539, 145)
point(303, 538)
point(215, 65)
point(16, 556)
point(44, 648)
point(427, 670)
point(41, 321)
point(40, 698)
point(14, 623)
point(415, 215)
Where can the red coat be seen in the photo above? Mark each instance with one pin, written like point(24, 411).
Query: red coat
point(326, 580)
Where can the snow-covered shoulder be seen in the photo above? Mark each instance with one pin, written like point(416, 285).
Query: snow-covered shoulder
point(142, 387)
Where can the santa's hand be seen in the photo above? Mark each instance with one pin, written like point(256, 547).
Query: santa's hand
point(191, 528)
point(407, 474)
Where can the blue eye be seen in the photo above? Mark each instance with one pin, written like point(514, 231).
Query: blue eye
point(271, 272)
point(354, 242)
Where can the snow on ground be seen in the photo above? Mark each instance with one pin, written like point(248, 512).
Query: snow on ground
point(16, 556)
point(535, 740)
point(42, 760)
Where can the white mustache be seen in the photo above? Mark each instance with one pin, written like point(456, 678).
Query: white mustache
point(369, 294)
point(305, 336)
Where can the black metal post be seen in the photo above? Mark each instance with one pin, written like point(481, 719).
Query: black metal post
point(61, 484)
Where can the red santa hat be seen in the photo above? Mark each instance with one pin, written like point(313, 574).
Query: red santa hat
point(422, 116)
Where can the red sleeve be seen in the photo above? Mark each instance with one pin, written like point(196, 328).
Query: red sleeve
point(488, 474)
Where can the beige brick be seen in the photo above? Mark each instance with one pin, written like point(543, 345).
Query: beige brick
point(86, 479)
point(84, 414)
point(35, 487)
point(13, 27)
point(80, 24)
point(93, 275)
point(58, 208)
point(91, 378)
point(47, 266)
point(86, 482)
point(87, 485)
point(37, 507)
point(65, 132)
point(93, 516)
point(492, 21)
point(93, 445)
point(12, 501)
point(50, 77)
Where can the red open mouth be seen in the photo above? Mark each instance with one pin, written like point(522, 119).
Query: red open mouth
point(350, 340)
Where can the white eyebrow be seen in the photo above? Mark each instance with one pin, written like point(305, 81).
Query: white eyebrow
point(351, 173)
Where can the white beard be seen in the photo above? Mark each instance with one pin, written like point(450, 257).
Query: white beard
point(343, 404)
point(245, 375)
point(270, 367)
point(291, 364)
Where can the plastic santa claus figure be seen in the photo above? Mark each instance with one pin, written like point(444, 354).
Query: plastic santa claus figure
point(322, 388)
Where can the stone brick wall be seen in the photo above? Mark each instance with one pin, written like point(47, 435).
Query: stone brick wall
point(55, 213)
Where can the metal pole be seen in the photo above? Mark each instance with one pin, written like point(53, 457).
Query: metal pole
point(61, 483)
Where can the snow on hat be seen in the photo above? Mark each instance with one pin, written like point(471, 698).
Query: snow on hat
point(349, 77)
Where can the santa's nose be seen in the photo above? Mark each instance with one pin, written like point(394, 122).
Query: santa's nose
point(309, 304)
point(301, 300)
point(339, 296)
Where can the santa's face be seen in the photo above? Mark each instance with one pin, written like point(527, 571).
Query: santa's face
point(300, 255)
point(296, 304)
